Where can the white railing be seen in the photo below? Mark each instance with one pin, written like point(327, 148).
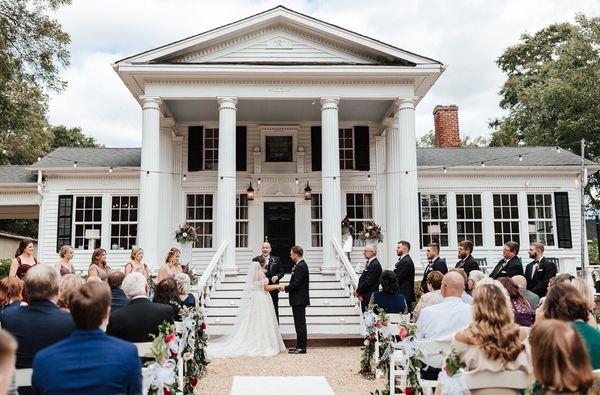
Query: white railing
point(346, 273)
point(212, 274)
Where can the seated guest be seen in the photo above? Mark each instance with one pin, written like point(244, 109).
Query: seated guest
point(510, 265)
point(539, 272)
point(118, 297)
point(69, 283)
point(493, 342)
point(64, 264)
point(389, 298)
point(531, 298)
point(565, 303)
point(433, 296)
point(434, 263)
point(560, 364)
point(522, 310)
point(186, 298)
point(42, 323)
point(559, 278)
point(8, 349)
point(166, 292)
point(474, 277)
point(99, 267)
point(466, 262)
point(11, 293)
point(588, 294)
point(140, 318)
point(465, 297)
point(369, 278)
point(89, 361)
point(441, 321)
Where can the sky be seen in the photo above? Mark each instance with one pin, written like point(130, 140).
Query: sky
point(466, 35)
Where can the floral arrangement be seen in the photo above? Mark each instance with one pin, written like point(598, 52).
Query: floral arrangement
point(189, 270)
point(193, 345)
point(186, 234)
point(377, 326)
point(451, 377)
point(406, 333)
point(371, 232)
point(160, 374)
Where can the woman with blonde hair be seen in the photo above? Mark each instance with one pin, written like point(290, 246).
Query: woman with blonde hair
point(588, 294)
point(69, 283)
point(64, 265)
point(136, 264)
point(493, 342)
point(99, 267)
point(171, 266)
point(560, 363)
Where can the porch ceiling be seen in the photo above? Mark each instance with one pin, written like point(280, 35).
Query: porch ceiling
point(281, 110)
point(19, 212)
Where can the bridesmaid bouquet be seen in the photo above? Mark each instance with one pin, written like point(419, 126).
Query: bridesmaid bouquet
point(189, 270)
point(371, 233)
point(186, 234)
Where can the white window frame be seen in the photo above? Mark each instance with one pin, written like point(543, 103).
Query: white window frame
point(214, 150)
point(428, 222)
point(358, 222)
point(535, 220)
point(346, 151)
point(316, 220)
point(205, 239)
point(473, 220)
point(121, 222)
point(512, 221)
point(93, 224)
point(241, 219)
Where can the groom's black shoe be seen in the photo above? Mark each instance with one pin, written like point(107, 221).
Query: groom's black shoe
point(298, 351)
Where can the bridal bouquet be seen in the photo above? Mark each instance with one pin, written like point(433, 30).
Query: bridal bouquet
point(186, 234)
point(371, 233)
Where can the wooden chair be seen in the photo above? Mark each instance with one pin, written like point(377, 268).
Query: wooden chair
point(516, 379)
point(179, 327)
point(143, 349)
point(398, 370)
point(23, 377)
point(482, 262)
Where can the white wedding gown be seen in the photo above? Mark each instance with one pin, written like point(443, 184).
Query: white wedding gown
point(255, 332)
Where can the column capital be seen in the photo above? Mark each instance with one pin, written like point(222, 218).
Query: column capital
point(150, 102)
point(390, 122)
point(329, 103)
point(405, 103)
point(227, 102)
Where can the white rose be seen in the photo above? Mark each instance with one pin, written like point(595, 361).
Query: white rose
point(184, 234)
point(367, 342)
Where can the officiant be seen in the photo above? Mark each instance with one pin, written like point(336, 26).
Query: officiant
point(274, 273)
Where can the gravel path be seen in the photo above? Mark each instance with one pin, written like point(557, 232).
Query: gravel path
point(338, 364)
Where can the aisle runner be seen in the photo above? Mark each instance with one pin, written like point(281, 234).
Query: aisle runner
point(260, 385)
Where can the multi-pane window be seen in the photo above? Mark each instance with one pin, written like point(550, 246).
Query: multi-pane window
point(199, 214)
point(469, 218)
point(123, 222)
point(434, 219)
point(211, 148)
point(359, 208)
point(316, 220)
point(506, 219)
point(346, 138)
point(241, 221)
point(541, 218)
point(88, 215)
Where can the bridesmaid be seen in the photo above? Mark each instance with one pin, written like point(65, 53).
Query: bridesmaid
point(64, 265)
point(171, 266)
point(136, 265)
point(98, 267)
point(24, 259)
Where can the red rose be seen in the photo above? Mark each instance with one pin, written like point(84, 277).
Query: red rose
point(170, 337)
point(183, 267)
point(403, 333)
point(194, 381)
point(408, 391)
point(373, 338)
point(378, 324)
point(373, 233)
point(203, 326)
point(166, 391)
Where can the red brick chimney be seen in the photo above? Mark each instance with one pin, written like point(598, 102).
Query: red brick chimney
point(445, 119)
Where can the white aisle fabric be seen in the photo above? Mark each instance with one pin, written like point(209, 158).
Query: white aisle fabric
point(300, 385)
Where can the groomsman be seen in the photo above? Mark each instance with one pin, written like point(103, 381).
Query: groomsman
point(274, 273)
point(511, 265)
point(467, 262)
point(405, 273)
point(434, 263)
point(539, 272)
point(369, 279)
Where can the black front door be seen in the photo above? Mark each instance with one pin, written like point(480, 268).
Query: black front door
point(280, 231)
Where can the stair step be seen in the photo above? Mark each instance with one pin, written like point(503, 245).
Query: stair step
point(232, 311)
point(288, 329)
point(325, 302)
point(312, 285)
point(314, 277)
point(337, 320)
point(317, 293)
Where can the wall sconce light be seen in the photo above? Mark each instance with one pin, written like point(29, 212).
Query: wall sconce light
point(250, 192)
point(307, 191)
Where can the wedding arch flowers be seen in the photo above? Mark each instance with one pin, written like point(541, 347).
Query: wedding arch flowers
point(186, 233)
point(371, 233)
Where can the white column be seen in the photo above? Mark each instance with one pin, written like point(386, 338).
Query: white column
point(380, 200)
point(177, 218)
point(165, 238)
point(330, 174)
point(149, 181)
point(401, 181)
point(226, 187)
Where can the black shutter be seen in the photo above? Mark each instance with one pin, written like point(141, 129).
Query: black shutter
point(195, 148)
point(420, 225)
point(64, 221)
point(361, 148)
point(315, 147)
point(240, 148)
point(563, 219)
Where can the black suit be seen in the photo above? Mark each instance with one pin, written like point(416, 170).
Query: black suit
point(468, 264)
point(369, 282)
point(274, 269)
point(438, 264)
point(140, 318)
point(299, 299)
point(405, 273)
point(507, 268)
point(538, 282)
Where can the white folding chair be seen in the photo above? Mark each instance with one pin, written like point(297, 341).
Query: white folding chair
point(143, 348)
point(23, 377)
point(398, 370)
point(179, 327)
point(516, 379)
point(430, 349)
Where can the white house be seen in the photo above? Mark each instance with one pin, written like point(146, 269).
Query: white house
point(280, 101)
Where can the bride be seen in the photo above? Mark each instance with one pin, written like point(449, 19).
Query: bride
point(255, 332)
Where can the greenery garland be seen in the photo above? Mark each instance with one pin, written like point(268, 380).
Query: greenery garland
point(193, 347)
point(163, 353)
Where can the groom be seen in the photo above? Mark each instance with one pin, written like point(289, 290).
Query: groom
point(299, 298)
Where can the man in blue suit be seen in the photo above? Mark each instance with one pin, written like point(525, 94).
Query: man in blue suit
point(89, 361)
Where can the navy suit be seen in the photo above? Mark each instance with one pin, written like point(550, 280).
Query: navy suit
point(36, 326)
point(119, 299)
point(88, 362)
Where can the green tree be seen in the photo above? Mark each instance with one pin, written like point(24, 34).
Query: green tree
point(70, 137)
point(552, 93)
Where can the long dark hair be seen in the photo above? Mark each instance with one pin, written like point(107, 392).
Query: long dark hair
point(166, 292)
point(96, 255)
point(22, 245)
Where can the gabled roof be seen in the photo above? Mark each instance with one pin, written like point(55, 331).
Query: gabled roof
point(65, 157)
point(17, 174)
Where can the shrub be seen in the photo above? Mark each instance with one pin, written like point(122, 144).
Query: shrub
point(4, 267)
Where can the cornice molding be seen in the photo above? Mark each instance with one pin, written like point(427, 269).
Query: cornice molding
point(346, 81)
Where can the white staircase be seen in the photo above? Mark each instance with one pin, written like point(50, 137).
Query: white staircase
point(331, 312)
